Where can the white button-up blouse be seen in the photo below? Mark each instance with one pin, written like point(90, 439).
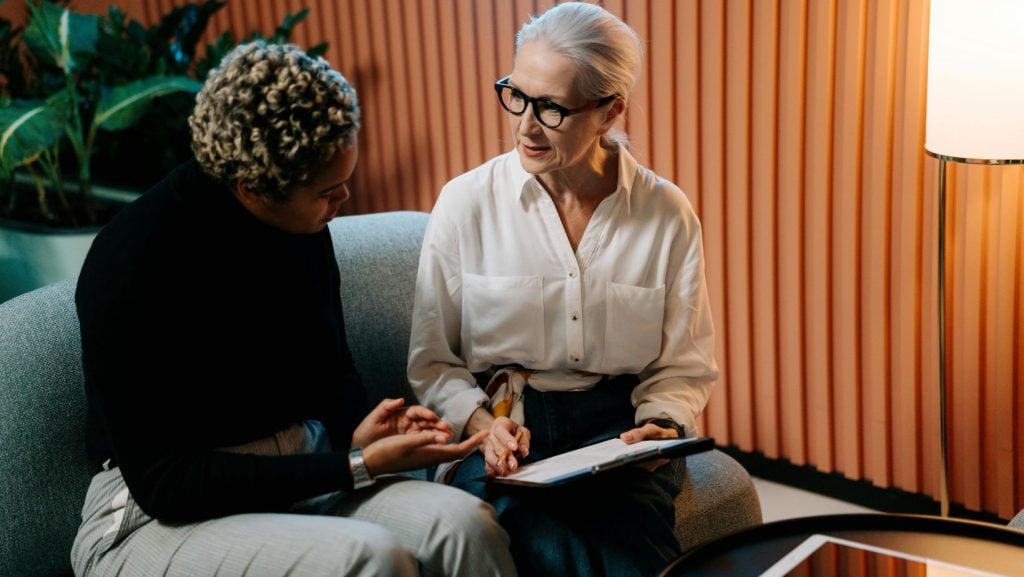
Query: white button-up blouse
point(499, 284)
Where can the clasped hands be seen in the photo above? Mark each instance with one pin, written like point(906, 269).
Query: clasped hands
point(397, 438)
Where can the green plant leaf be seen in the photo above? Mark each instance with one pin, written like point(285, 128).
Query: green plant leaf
point(121, 106)
point(284, 30)
point(62, 37)
point(28, 127)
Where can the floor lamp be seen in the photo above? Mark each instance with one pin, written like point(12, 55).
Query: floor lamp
point(975, 115)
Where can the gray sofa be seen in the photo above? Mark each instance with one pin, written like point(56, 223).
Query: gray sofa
point(43, 469)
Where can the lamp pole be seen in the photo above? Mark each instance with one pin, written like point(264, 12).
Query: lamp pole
point(943, 437)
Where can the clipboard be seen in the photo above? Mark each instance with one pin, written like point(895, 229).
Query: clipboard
point(598, 458)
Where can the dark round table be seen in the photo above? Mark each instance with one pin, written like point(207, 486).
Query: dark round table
point(980, 546)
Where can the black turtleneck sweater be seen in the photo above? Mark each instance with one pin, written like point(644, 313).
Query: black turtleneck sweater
point(203, 327)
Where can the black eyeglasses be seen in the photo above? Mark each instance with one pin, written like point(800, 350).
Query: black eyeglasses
point(547, 112)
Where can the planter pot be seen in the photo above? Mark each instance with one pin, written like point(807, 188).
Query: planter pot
point(30, 259)
point(33, 256)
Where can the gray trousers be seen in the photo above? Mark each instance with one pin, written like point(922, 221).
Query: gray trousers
point(398, 526)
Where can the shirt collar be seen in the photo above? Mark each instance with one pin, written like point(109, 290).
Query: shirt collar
point(524, 182)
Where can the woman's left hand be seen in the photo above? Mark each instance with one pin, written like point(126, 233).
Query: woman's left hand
point(392, 417)
point(649, 431)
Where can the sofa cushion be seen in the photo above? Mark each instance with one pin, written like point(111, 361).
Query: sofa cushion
point(44, 471)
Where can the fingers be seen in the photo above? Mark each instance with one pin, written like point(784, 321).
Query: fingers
point(428, 437)
point(647, 431)
point(383, 409)
point(524, 436)
point(421, 413)
point(507, 440)
point(503, 433)
point(419, 418)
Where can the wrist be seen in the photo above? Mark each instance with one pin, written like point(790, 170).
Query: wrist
point(480, 419)
point(361, 476)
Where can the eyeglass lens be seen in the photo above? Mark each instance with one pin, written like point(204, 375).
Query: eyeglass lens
point(515, 102)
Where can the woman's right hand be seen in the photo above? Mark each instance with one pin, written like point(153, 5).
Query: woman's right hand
point(415, 450)
point(505, 440)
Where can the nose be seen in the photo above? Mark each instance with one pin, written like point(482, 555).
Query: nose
point(528, 122)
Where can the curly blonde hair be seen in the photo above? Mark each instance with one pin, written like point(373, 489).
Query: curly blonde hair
point(269, 116)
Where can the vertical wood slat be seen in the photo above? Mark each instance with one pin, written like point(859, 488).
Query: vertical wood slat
point(737, 231)
point(796, 129)
point(999, 422)
point(816, 231)
point(906, 283)
point(764, 231)
point(875, 231)
point(846, 189)
point(793, 407)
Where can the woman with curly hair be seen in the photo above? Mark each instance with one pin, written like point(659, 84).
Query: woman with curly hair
point(229, 427)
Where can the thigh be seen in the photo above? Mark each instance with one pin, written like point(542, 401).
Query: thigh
point(450, 532)
point(117, 538)
point(619, 523)
point(258, 545)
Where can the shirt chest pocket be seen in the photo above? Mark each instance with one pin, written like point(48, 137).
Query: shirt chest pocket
point(634, 327)
point(503, 318)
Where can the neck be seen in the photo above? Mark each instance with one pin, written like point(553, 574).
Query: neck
point(592, 179)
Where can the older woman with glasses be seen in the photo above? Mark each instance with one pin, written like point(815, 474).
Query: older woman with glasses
point(561, 301)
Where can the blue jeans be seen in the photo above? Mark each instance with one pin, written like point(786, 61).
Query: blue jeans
point(619, 523)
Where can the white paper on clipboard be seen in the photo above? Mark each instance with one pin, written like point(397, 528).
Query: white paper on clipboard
point(591, 460)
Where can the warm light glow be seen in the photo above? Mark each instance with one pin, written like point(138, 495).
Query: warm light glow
point(976, 79)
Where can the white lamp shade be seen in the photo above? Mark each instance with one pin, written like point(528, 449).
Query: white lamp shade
point(976, 80)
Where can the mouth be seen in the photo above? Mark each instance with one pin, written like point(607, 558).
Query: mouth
point(534, 151)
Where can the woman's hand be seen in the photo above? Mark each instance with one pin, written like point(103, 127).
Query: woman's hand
point(505, 439)
point(649, 431)
point(415, 450)
point(391, 417)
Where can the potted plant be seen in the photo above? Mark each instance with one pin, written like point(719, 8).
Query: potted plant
point(80, 92)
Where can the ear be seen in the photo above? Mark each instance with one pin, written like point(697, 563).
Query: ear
point(254, 203)
point(615, 110)
point(248, 198)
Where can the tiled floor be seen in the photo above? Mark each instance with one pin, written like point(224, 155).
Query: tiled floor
point(784, 502)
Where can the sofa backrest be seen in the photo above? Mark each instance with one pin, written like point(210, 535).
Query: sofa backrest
point(378, 255)
point(44, 472)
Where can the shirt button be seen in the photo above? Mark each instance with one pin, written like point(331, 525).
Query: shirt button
point(574, 357)
point(572, 274)
point(574, 316)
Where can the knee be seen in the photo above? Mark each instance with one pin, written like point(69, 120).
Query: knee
point(377, 553)
point(470, 519)
point(387, 558)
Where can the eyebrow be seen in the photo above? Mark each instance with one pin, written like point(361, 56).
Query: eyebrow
point(547, 97)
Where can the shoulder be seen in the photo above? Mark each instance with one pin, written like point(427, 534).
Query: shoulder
point(656, 197)
point(147, 234)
